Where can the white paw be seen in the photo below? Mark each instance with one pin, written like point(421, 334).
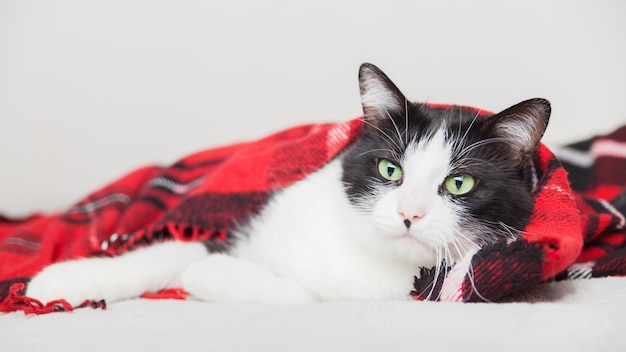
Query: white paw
point(225, 279)
point(117, 278)
point(209, 279)
point(68, 281)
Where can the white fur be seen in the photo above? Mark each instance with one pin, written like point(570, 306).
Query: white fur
point(377, 95)
point(224, 278)
point(308, 244)
point(312, 235)
point(519, 131)
point(127, 276)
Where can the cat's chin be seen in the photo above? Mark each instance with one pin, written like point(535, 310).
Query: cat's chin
point(409, 239)
point(410, 249)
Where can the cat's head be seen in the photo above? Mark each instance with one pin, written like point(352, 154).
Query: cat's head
point(437, 182)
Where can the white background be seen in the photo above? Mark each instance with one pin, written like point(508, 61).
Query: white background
point(92, 89)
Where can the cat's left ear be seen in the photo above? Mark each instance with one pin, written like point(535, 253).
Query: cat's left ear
point(522, 125)
point(379, 95)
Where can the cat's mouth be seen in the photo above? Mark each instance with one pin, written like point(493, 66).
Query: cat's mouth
point(411, 239)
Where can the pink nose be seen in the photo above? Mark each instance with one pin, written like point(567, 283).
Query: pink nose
point(409, 219)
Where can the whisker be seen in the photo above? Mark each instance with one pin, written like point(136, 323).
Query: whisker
point(447, 260)
point(458, 133)
point(470, 269)
point(436, 276)
point(394, 125)
point(480, 143)
point(469, 241)
point(385, 134)
point(461, 140)
point(513, 232)
point(470, 126)
point(406, 122)
point(395, 154)
point(470, 276)
point(473, 163)
point(456, 245)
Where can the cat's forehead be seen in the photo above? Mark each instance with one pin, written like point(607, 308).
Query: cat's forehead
point(435, 139)
point(429, 118)
point(445, 117)
point(425, 164)
point(423, 121)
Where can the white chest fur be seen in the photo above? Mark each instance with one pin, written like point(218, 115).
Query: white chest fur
point(312, 235)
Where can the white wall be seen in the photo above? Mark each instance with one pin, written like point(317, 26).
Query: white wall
point(92, 89)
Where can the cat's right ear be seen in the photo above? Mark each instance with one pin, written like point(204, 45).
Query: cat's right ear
point(380, 97)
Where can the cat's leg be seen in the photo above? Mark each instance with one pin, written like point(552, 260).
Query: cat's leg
point(116, 278)
point(226, 279)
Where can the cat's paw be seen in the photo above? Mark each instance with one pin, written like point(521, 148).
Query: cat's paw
point(72, 281)
point(225, 279)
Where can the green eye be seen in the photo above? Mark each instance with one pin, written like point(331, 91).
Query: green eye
point(389, 170)
point(459, 184)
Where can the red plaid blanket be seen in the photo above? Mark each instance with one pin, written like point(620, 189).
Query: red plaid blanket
point(203, 196)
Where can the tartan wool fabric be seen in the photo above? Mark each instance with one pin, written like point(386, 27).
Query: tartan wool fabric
point(575, 231)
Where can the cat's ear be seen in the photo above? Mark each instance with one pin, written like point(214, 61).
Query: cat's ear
point(522, 125)
point(379, 96)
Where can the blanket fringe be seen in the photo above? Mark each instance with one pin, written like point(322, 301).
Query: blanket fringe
point(16, 302)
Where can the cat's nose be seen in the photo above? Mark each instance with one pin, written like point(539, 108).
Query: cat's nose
point(411, 218)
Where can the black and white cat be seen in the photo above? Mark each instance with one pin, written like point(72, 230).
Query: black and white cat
point(420, 186)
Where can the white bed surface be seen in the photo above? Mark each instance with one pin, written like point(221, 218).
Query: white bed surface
point(586, 315)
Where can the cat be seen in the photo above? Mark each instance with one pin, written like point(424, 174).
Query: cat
point(423, 185)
